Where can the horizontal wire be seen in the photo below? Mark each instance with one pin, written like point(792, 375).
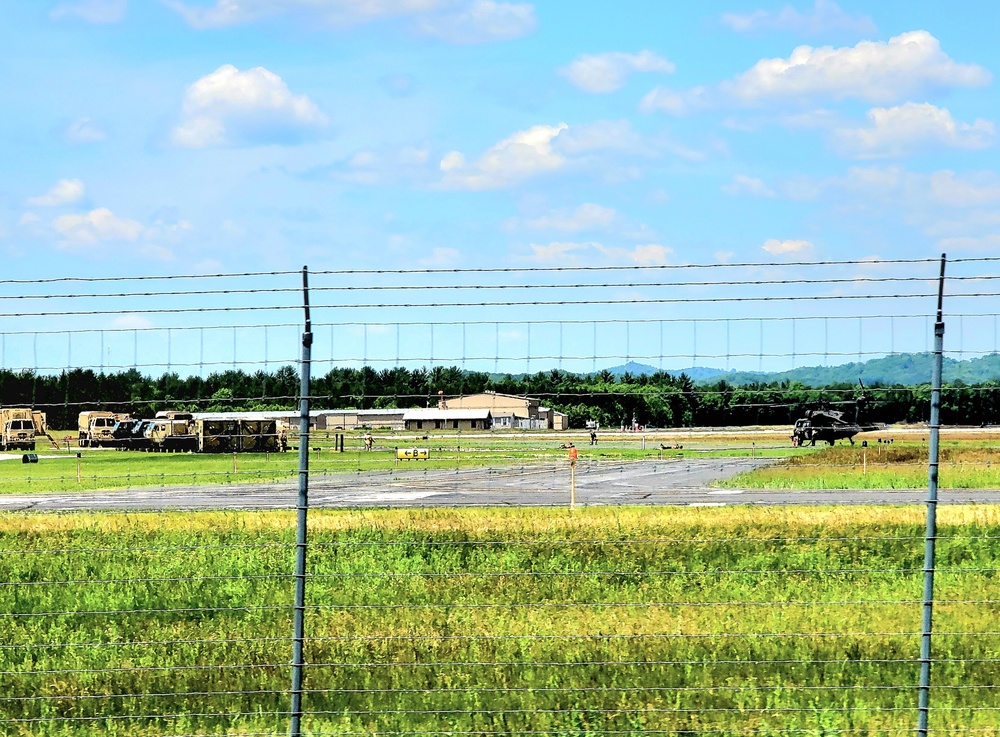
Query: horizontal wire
point(511, 543)
point(488, 287)
point(789, 688)
point(497, 574)
point(491, 638)
point(500, 605)
point(455, 323)
point(171, 669)
point(506, 303)
point(459, 359)
point(591, 663)
point(504, 270)
point(166, 277)
point(576, 711)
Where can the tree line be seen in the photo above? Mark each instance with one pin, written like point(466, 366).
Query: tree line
point(652, 400)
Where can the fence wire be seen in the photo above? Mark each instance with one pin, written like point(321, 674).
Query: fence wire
point(710, 578)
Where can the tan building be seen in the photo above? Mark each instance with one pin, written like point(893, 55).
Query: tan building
point(447, 419)
point(510, 411)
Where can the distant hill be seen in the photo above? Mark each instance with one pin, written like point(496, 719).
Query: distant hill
point(900, 368)
point(696, 373)
point(908, 369)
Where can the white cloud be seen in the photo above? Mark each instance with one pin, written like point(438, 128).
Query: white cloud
point(650, 254)
point(96, 226)
point(826, 16)
point(585, 217)
point(745, 185)
point(604, 73)
point(233, 107)
point(524, 154)
point(28, 218)
point(568, 252)
point(480, 22)
point(872, 70)
point(456, 21)
point(781, 248)
point(909, 128)
point(84, 130)
point(557, 252)
point(724, 257)
point(131, 322)
point(602, 135)
point(92, 11)
point(665, 100)
point(64, 192)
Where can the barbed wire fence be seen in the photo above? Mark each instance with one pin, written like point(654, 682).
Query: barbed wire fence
point(460, 595)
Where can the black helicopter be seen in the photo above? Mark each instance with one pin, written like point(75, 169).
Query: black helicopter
point(830, 425)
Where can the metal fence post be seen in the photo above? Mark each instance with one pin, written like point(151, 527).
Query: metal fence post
point(302, 507)
point(931, 534)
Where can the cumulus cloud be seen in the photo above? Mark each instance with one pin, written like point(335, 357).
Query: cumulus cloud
point(456, 21)
point(524, 154)
point(649, 254)
point(83, 130)
point(745, 185)
point(672, 102)
point(243, 108)
point(97, 226)
point(63, 192)
point(826, 16)
point(782, 248)
point(876, 71)
point(604, 73)
point(480, 22)
point(92, 11)
point(908, 128)
point(939, 188)
point(587, 216)
point(556, 252)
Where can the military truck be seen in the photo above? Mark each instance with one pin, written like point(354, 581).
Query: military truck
point(96, 428)
point(19, 426)
point(172, 434)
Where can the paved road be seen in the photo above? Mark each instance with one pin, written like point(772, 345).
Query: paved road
point(669, 482)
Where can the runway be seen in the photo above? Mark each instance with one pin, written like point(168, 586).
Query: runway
point(681, 482)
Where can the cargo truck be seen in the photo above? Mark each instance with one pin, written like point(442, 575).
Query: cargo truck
point(96, 428)
point(17, 428)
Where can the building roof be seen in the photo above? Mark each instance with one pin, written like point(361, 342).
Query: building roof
point(446, 414)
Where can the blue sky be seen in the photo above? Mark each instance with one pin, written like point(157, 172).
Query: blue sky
point(198, 136)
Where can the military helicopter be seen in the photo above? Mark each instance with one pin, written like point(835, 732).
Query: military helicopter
point(830, 425)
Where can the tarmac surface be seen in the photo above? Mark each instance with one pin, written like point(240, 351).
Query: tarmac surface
point(684, 482)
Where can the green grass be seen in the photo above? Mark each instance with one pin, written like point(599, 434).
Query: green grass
point(627, 620)
point(109, 469)
point(962, 465)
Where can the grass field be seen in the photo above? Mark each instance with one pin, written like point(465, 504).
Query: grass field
point(963, 464)
point(611, 620)
point(62, 471)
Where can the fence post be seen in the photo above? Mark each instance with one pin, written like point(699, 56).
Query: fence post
point(302, 508)
point(931, 534)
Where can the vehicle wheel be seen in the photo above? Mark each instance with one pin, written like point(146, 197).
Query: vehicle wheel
point(31, 446)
